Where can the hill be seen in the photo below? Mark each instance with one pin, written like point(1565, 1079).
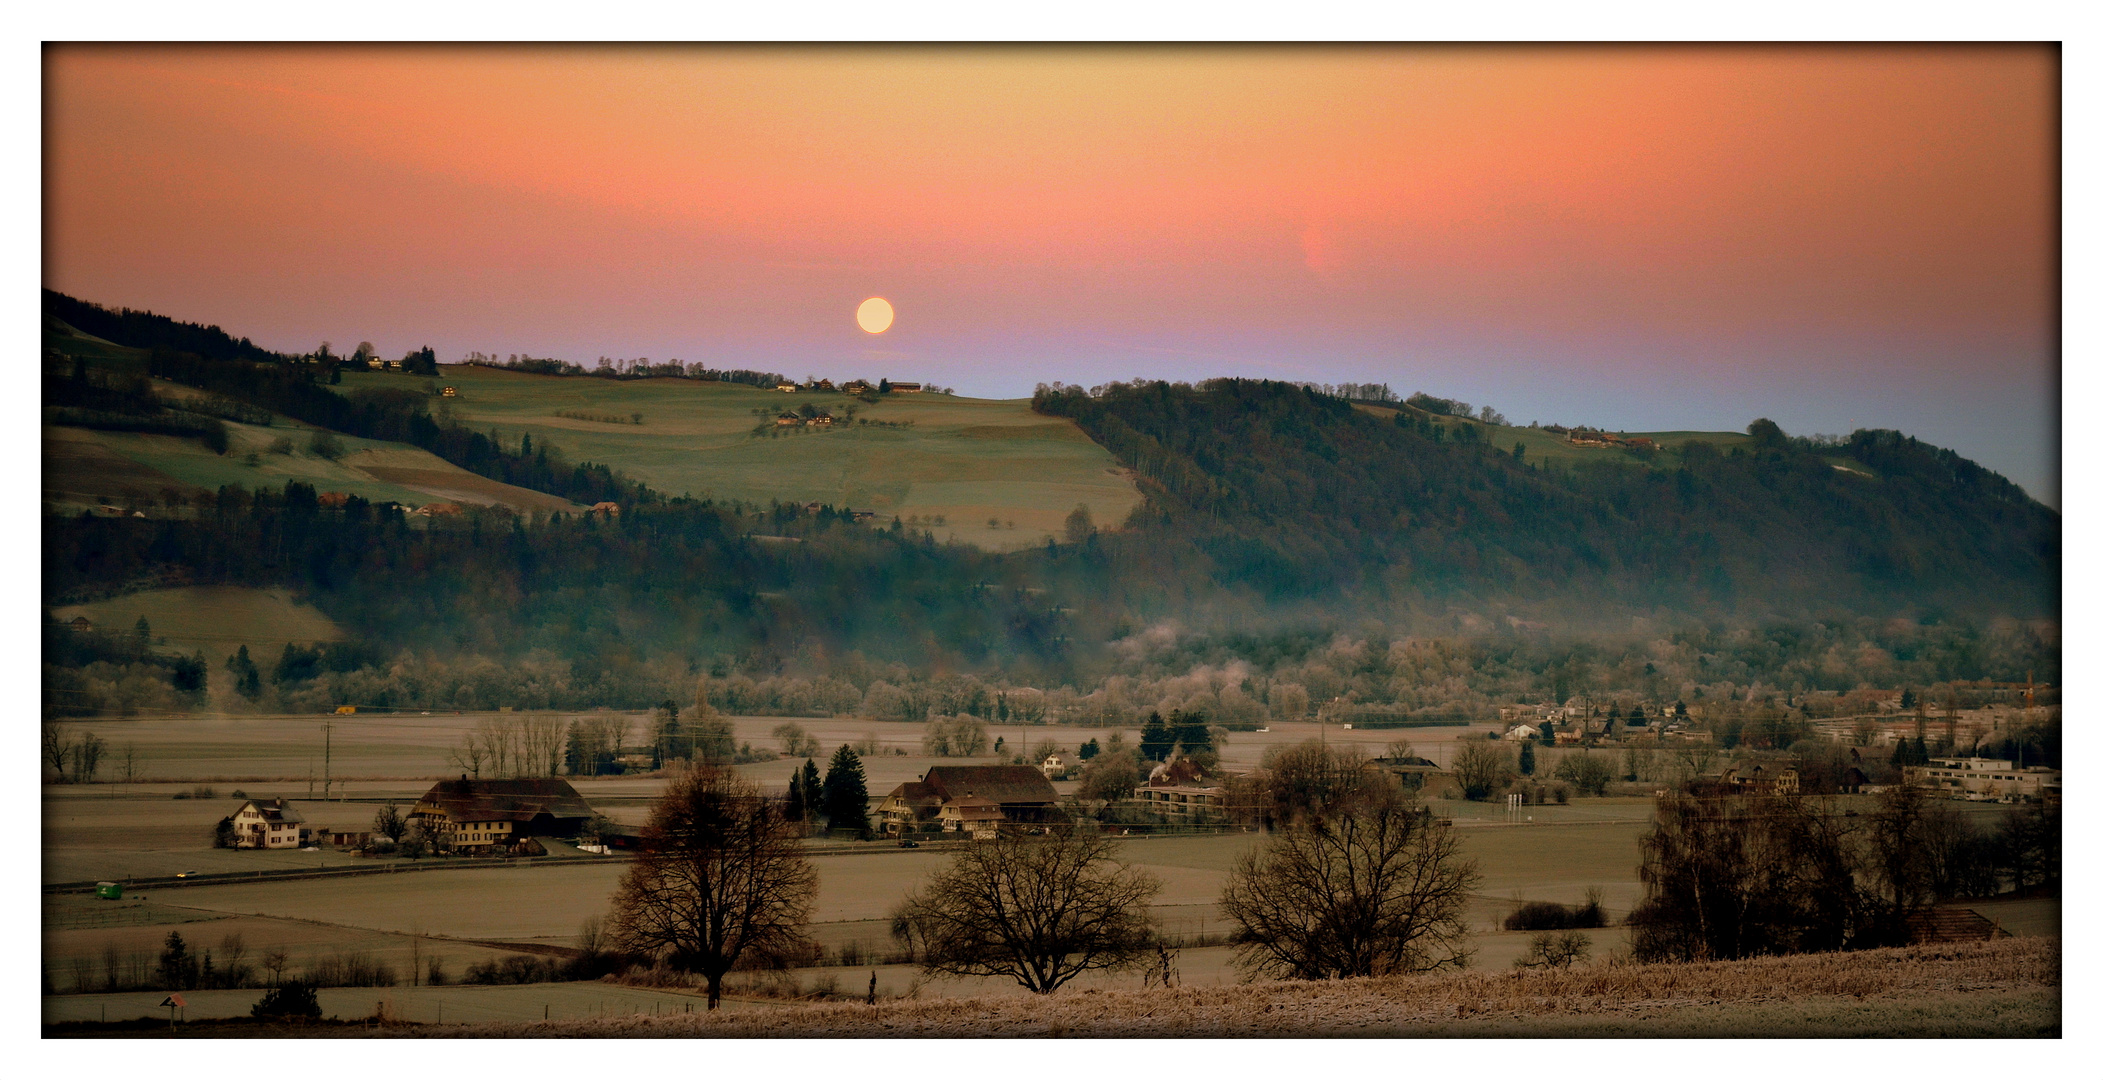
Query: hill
point(1289, 544)
point(946, 464)
point(1295, 494)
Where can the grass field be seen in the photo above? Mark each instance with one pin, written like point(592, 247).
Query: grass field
point(964, 460)
point(1547, 446)
point(83, 468)
point(216, 618)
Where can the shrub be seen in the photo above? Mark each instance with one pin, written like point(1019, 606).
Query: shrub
point(1549, 915)
point(1553, 950)
point(292, 1001)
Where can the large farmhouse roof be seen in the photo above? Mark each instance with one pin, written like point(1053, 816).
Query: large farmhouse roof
point(1008, 785)
point(916, 793)
point(506, 800)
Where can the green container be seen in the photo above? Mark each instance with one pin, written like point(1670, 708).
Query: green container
point(109, 890)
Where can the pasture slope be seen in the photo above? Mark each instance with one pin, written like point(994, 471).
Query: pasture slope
point(966, 461)
point(84, 468)
point(2002, 989)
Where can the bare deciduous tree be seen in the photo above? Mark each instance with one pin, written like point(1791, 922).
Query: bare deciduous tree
point(1481, 767)
point(720, 877)
point(1039, 910)
point(1374, 888)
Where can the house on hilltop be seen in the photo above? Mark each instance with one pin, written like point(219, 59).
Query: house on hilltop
point(489, 813)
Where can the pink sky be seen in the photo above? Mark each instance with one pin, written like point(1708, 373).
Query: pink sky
point(1637, 237)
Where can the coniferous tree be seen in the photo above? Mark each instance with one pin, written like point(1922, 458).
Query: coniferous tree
point(1526, 757)
point(846, 792)
point(813, 790)
point(794, 806)
point(1188, 731)
point(1155, 741)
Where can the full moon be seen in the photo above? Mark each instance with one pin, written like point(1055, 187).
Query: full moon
point(874, 315)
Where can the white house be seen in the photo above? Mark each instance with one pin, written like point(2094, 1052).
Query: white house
point(267, 824)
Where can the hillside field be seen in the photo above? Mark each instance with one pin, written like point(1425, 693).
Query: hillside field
point(1549, 447)
point(964, 460)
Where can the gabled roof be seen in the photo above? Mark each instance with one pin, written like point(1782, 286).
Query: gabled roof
point(972, 808)
point(916, 794)
point(1005, 784)
point(272, 810)
point(506, 800)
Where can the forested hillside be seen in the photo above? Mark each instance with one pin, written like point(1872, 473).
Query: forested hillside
point(1297, 495)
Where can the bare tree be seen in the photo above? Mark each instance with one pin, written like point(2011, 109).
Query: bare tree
point(469, 756)
point(129, 767)
point(1039, 910)
point(87, 757)
point(795, 742)
point(542, 751)
point(1481, 767)
point(389, 822)
point(56, 751)
point(720, 877)
point(1377, 888)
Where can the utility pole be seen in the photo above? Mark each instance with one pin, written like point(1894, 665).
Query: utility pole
point(327, 746)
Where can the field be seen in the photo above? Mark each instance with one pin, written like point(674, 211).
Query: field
point(218, 619)
point(1547, 446)
point(2002, 989)
point(84, 468)
point(466, 915)
point(962, 460)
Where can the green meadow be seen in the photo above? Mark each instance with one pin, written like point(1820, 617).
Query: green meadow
point(990, 473)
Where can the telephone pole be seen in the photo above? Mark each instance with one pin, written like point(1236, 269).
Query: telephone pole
point(327, 746)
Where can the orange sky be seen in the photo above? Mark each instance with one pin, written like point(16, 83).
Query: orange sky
point(1862, 236)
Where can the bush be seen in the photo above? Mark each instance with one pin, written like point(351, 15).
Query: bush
point(1548, 915)
point(292, 1001)
point(1553, 950)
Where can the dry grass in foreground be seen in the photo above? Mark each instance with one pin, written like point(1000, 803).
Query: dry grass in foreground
point(2007, 988)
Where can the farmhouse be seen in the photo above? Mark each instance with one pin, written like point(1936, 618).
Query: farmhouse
point(485, 813)
point(858, 386)
point(975, 815)
point(1018, 793)
point(608, 509)
point(787, 387)
point(905, 388)
point(269, 824)
point(787, 419)
point(1413, 771)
